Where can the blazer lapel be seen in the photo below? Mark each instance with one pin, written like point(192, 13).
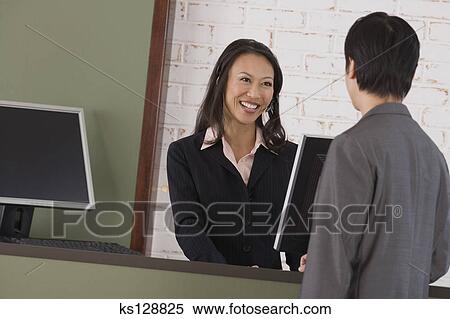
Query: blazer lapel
point(215, 153)
point(263, 158)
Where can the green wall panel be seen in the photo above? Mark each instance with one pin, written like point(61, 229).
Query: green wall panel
point(112, 36)
point(24, 277)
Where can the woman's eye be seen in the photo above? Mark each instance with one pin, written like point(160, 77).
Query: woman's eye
point(247, 80)
point(269, 84)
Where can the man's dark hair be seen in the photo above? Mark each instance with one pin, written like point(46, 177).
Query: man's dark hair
point(385, 50)
point(211, 109)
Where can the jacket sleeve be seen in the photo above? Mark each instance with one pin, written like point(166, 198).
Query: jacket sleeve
point(440, 260)
point(293, 261)
point(344, 193)
point(189, 215)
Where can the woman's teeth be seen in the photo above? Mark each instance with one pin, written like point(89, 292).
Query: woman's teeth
point(249, 105)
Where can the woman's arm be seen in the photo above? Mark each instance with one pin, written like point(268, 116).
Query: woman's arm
point(189, 215)
point(293, 261)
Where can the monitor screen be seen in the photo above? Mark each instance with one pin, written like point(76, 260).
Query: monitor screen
point(44, 158)
point(293, 228)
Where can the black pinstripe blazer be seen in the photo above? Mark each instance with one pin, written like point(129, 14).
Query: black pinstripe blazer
point(207, 195)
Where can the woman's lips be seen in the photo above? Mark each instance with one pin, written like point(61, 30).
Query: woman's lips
point(249, 107)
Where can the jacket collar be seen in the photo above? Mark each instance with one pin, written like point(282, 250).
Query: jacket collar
point(263, 159)
point(211, 135)
point(388, 108)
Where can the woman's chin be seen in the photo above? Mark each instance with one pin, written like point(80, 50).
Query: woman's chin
point(247, 120)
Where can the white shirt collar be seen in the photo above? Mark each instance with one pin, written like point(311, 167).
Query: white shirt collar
point(211, 135)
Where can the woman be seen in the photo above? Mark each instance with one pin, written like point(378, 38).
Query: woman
point(228, 180)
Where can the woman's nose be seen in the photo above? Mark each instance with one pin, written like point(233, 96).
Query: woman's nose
point(254, 92)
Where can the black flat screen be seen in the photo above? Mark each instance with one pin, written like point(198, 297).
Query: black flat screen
point(41, 155)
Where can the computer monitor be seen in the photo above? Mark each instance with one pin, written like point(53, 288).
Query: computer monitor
point(44, 162)
point(293, 228)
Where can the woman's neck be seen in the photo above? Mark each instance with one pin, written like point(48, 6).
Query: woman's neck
point(240, 137)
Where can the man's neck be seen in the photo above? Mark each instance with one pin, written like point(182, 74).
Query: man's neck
point(369, 101)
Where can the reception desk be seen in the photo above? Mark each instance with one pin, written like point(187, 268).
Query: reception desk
point(41, 272)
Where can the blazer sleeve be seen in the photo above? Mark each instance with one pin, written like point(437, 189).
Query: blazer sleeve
point(440, 260)
point(347, 178)
point(293, 261)
point(189, 215)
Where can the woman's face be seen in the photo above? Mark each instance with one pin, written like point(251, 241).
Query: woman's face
point(249, 88)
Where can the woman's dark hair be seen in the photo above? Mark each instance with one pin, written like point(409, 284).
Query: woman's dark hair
point(211, 109)
point(385, 50)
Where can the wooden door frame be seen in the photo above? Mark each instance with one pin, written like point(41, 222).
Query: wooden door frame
point(143, 217)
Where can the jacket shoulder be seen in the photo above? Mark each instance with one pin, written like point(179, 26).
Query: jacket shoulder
point(289, 148)
point(190, 142)
point(287, 152)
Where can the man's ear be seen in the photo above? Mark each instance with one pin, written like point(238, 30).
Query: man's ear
point(351, 69)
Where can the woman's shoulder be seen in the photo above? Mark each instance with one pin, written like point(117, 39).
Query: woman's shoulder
point(186, 143)
point(286, 154)
point(288, 149)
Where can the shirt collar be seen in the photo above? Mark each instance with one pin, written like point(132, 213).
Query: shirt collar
point(211, 135)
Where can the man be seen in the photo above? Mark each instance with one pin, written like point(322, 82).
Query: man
point(381, 220)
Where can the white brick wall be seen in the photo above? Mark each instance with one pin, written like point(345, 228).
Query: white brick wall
point(335, 22)
point(437, 73)
point(439, 31)
point(308, 38)
point(191, 33)
point(324, 64)
point(224, 34)
point(301, 41)
point(280, 18)
point(308, 5)
point(215, 13)
point(387, 6)
point(425, 9)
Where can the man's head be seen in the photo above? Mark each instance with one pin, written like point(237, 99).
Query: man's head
point(381, 54)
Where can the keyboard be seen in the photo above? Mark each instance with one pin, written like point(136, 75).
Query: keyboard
point(72, 244)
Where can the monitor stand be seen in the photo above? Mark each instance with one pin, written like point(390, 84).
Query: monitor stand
point(15, 220)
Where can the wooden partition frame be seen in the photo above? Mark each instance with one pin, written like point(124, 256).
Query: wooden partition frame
point(143, 218)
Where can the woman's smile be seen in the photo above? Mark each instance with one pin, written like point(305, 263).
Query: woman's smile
point(249, 107)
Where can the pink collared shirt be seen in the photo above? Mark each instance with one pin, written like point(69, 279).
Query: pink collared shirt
point(244, 165)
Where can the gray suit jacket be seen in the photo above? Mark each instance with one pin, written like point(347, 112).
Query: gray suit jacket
point(397, 240)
